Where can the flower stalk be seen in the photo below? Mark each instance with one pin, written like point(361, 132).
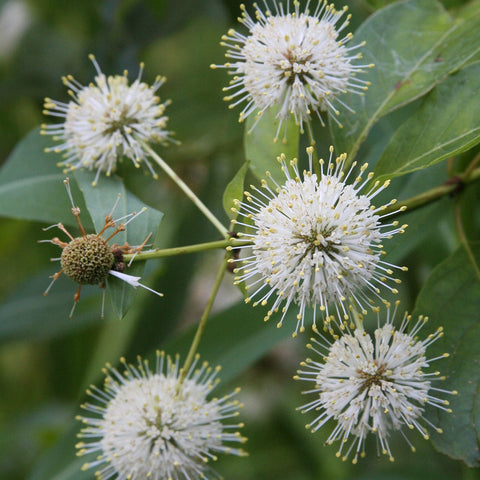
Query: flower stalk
point(186, 190)
point(201, 325)
point(198, 247)
point(434, 194)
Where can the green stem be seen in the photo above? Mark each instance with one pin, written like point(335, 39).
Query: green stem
point(434, 194)
point(201, 326)
point(451, 166)
point(471, 166)
point(186, 189)
point(199, 247)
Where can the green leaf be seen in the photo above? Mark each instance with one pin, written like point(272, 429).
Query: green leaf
point(380, 3)
point(451, 298)
point(60, 462)
point(469, 8)
point(28, 315)
point(234, 191)
point(31, 184)
point(414, 44)
point(446, 124)
point(100, 201)
point(260, 148)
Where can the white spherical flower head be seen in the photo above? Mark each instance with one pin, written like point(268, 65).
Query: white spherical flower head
point(297, 61)
point(107, 120)
point(373, 384)
point(316, 242)
point(158, 425)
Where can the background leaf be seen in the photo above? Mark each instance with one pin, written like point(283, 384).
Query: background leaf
point(31, 184)
point(262, 151)
point(236, 337)
point(451, 298)
point(423, 223)
point(234, 191)
point(28, 315)
point(414, 44)
point(447, 123)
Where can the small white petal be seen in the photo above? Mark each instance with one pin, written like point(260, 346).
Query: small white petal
point(132, 280)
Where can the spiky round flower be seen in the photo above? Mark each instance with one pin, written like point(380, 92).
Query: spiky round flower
point(298, 62)
point(157, 424)
point(107, 120)
point(316, 241)
point(89, 259)
point(373, 384)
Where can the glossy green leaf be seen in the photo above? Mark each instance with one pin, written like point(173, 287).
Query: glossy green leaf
point(448, 123)
point(261, 149)
point(451, 298)
point(31, 184)
point(414, 45)
point(100, 201)
point(234, 191)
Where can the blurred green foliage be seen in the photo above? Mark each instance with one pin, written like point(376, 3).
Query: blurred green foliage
point(45, 366)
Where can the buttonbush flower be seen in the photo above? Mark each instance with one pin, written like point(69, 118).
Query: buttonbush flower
point(373, 384)
point(89, 259)
point(107, 120)
point(316, 241)
point(297, 61)
point(153, 424)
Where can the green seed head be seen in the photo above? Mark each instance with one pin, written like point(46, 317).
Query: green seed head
point(87, 260)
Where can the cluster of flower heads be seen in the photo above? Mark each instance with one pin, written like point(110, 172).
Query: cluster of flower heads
point(373, 384)
point(297, 62)
point(107, 120)
point(159, 423)
point(317, 241)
